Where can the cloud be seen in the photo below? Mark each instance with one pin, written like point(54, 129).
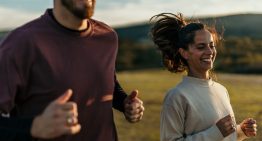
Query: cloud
point(128, 12)
point(11, 18)
point(27, 5)
point(125, 12)
point(108, 4)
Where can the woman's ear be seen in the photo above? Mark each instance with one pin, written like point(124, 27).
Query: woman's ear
point(183, 53)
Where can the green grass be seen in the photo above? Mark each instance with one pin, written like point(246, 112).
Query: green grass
point(245, 94)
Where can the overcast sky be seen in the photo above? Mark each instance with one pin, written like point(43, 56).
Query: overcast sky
point(14, 13)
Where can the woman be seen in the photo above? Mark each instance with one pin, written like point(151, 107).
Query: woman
point(198, 109)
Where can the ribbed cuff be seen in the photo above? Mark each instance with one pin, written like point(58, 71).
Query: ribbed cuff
point(15, 128)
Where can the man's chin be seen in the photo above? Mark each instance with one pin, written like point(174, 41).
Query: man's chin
point(83, 14)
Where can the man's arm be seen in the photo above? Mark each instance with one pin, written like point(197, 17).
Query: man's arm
point(10, 81)
point(11, 128)
point(130, 105)
point(119, 96)
point(59, 118)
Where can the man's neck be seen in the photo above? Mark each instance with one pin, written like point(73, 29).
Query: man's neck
point(68, 20)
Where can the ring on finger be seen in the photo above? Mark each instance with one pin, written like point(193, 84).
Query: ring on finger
point(69, 120)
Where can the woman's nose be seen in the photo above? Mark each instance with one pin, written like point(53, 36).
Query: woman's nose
point(209, 50)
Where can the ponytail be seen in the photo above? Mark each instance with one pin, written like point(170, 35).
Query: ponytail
point(165, 34)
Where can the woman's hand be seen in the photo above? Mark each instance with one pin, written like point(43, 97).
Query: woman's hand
point(249, 127)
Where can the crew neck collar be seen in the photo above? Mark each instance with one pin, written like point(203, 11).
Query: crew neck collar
point(83, 33)
point(198, 81)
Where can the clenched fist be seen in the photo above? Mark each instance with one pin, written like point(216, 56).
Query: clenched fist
point(59, 118)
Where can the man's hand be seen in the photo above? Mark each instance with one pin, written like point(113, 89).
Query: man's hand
point(226, 125)
point(59, 118)
point(249, 127)
point(134, 108)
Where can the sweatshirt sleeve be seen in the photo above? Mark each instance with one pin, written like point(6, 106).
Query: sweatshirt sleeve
point(15, 128)
point(119, 96)
point(172, 126)
point(15, 59)
point(174, 115)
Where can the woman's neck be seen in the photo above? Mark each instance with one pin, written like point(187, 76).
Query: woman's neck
point(204, 75)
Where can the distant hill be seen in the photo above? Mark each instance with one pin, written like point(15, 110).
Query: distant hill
point(241, 25)
point(235, 25)
point(137, 32)
point(2, 34)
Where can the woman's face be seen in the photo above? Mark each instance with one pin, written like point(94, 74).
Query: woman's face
point(201, 54)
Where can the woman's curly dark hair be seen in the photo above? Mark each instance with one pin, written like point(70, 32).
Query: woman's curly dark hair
point(171, 32)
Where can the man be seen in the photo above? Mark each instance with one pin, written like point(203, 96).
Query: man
point(57, 78)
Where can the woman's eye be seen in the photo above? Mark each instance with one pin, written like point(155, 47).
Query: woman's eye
point(200, 47)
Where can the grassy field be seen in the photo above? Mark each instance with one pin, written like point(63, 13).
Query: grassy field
point(245, 94)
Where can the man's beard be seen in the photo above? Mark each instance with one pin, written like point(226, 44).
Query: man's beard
point(84, 12)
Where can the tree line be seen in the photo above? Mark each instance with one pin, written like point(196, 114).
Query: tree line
point(235, 55)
